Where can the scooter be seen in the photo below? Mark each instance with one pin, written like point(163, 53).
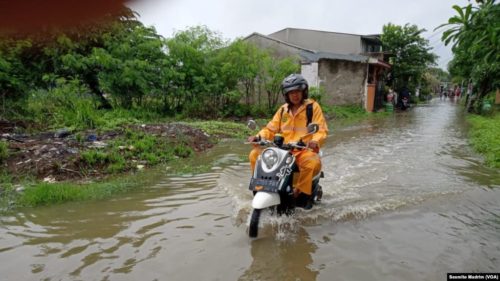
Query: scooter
point(405, 103)
point(272, 180)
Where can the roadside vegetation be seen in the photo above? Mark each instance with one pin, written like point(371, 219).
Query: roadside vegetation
point(485, 136)
point(474, 35)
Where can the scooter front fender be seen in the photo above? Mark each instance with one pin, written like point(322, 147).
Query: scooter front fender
point(264, 199)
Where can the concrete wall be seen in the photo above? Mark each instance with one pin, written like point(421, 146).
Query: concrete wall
point(339, 43)
point(344, 82)
point(277, 49)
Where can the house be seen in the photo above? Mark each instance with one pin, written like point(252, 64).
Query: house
point(349, 66)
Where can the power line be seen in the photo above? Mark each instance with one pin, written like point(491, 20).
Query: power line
point(434, 34)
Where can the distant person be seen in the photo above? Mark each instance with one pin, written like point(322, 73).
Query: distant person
point(390, 96)
point(454, 92)
point(458, 92)
point(404, 98)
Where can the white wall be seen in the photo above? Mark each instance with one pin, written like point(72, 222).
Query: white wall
point(310, 73)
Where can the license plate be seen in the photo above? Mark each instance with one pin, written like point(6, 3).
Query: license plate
point(264, 185)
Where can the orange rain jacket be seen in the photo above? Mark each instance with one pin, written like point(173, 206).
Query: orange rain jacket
point(294, 127)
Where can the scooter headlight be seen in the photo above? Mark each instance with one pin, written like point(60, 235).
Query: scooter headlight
point(270, 158)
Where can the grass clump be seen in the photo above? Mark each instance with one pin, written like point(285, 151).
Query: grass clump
point(55, 193)
point(484, 136)
point(68, 104)
point(4, 151)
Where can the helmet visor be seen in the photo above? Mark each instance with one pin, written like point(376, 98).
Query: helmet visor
point(292, 88)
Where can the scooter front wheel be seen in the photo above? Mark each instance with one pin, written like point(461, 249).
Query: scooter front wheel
point(253, 230)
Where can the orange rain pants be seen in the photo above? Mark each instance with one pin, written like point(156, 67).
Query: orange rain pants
point(309, 165)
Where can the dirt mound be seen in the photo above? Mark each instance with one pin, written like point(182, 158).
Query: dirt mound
point(55, 156)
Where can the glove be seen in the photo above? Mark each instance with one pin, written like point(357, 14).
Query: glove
point(313, 145)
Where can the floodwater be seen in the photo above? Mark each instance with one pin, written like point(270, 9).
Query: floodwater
point(405, 199)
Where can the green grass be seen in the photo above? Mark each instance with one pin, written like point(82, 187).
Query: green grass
point(55, 193)
point(133, 148)
point(120, 117)
point(345, 112)
point(484, 136)
point(223, 128)
point(4, 151)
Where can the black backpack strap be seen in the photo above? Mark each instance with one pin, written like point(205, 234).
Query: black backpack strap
point(309, 112)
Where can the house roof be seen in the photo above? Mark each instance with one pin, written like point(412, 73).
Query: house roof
point(279, 41)
point(315, 30)
point(316, 56)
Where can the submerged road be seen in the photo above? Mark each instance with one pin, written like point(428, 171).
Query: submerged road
point(405, 199)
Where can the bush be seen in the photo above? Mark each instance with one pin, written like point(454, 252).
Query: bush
point(67, 105)
point(199, 109)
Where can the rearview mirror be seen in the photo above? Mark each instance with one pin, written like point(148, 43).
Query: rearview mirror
point(312, 128)
point(252, 125)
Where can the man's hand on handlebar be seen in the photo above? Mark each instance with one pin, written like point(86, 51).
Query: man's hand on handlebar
point(253, 138)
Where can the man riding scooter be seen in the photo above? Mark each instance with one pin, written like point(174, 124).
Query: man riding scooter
point(291, 122)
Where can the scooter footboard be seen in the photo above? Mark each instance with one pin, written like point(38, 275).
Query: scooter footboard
point(263, 200)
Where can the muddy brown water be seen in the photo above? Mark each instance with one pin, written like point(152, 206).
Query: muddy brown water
point(405, 199)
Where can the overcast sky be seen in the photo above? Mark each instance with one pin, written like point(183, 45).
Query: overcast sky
point(233, 18)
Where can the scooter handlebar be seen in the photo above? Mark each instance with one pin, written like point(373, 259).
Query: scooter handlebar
point(261, 143)
point(292, 145)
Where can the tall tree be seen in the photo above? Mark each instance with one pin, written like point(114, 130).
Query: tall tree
point(191, 53)
point(411, 53)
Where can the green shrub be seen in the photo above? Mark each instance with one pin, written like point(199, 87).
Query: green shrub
point(67, 105)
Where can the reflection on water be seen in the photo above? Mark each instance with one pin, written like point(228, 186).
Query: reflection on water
point(404, 199)
point(290, 259)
